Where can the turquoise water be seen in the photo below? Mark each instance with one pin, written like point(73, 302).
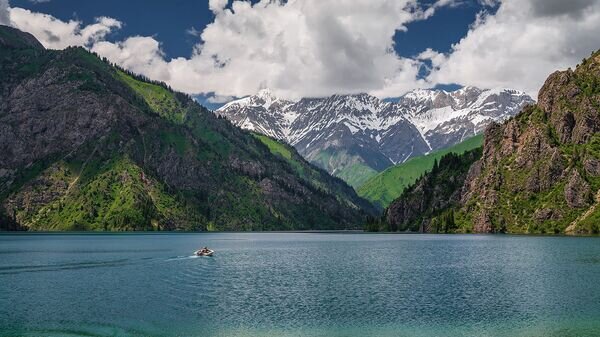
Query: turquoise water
point(292, 284)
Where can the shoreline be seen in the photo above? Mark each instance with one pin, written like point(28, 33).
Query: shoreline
point(340, 232)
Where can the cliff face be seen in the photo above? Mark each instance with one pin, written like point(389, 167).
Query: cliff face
point(539, 172)
point(86, 146)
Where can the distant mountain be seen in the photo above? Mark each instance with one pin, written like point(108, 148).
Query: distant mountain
point(87, 146)
point(539, 172)
point(388, 185)
point(356, 136)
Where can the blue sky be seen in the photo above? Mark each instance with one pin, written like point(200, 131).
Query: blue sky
point(315, 48)
point(169, 20)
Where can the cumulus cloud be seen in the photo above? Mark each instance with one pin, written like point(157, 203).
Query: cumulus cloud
point(219, 99)
point(217, 5)
point(56, 34)
point(316, 48)
point(296, 47)
point(138, 54)
point(303, 48)
point(560, 7)
point(522, 44)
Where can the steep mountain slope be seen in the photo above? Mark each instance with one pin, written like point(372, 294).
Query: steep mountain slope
point(388, 185)
point(86, 146)
point(428, 204)
point(356, 136)
point(539, 171)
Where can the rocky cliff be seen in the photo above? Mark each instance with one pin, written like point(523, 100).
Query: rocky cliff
point(87, 146)
point(539, 171)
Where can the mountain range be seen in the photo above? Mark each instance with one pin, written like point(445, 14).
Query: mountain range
point(356, 136)
point(85, 145)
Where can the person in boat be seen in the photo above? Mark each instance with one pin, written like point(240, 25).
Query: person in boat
point(205, 250)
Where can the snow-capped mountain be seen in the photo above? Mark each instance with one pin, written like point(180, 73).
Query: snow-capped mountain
point(354, 136)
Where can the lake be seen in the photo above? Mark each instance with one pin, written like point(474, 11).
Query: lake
point(298, 284)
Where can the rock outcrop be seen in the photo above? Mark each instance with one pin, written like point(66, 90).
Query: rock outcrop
point(539, 170)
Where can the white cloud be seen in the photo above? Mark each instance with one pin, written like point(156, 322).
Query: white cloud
point(296, 47)
point(138, 54)
point(217, 5)
point(522, 44)
point(303, 48)
point(317, 48)
point(56, 34)
point(220, 99)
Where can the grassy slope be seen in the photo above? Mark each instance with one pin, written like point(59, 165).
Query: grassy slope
point(388, 185)
point(354, 174)
point(157, 97)
point(113, 195)
point(318, 178)
point(284, 152)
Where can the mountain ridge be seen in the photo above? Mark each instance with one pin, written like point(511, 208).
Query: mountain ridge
point(361, 132)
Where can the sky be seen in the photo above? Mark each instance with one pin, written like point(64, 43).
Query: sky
point(221, 49)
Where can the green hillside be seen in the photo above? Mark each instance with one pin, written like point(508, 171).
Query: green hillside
point(304, 169)
point(352, 169)
point(388, 185)
point(86, 145)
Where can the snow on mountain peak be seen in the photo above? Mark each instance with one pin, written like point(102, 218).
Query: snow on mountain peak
point(420, 95)
point(422, 120)
point(267, 96)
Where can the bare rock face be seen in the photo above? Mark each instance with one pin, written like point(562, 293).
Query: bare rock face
point(592, 166)
point(545, 214)
point(573, 115)
point(577, 191)
point(511, 136)
point(482, 223)
point(39, 123)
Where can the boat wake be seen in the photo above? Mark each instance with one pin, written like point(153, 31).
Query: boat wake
point(177, 258)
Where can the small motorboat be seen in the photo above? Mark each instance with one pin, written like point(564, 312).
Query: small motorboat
point(204, 252)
